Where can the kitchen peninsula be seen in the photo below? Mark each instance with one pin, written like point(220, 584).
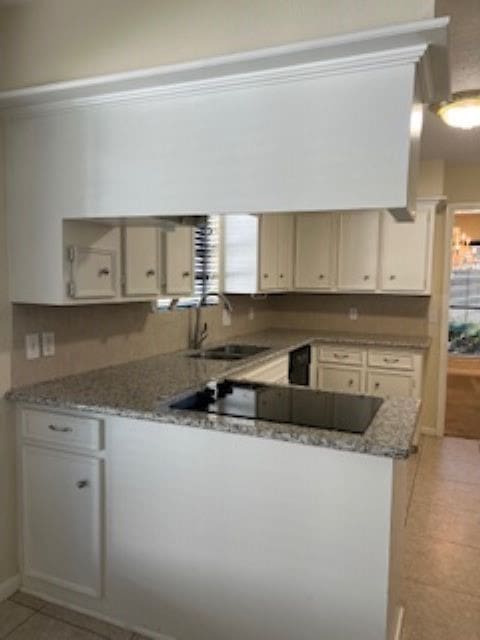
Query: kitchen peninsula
point(186, 528)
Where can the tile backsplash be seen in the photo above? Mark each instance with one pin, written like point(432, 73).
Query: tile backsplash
point(94, 336)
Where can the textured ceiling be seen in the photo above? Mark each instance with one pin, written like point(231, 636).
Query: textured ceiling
point(440, 141)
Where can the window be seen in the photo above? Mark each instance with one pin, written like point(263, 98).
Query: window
point(464, 312)
point(206, 262)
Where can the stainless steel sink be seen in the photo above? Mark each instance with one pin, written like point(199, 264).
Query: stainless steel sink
point(228, 352)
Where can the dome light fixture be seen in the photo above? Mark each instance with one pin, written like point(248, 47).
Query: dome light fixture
point(462, 111)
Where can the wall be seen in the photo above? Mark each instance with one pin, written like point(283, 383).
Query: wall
point(51, 40)
point(8, 556)
point(462, 183)
point(91, 337)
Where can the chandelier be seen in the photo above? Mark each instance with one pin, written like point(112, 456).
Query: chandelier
point(464, 256)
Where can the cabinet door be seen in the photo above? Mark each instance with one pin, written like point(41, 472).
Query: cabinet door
point(179, 261)
point(314, 250)
point(141, 255)
point(285, 251)
point(406, 253)
point(92, 273)
point(358, 249)
point(61, 519)
point(385, 384)
point(268, 252)
point(340, 379)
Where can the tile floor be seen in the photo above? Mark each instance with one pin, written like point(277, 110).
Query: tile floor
point(25, 617)
point(441, 569)
point(441, 566)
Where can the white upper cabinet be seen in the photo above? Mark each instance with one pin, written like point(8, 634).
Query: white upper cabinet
point(315, 250)
point(358, 250)
point(406, 253)
point(276, 252)
point(179, 253)
point(268, 252)
point(141, 261)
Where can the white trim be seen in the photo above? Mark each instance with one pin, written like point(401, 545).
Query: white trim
point(98, 616)
point(338, 54)
point(399, 625)
point(443, 347)
point(8, 587)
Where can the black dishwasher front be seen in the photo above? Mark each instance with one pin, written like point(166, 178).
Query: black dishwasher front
point(299, 366)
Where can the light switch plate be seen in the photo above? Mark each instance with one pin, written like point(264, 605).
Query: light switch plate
point(353, 313)
point(48, 344)
point(32, 346)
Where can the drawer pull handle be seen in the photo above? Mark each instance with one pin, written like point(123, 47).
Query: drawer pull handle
point(281, 275)
point(366, 277)
point(81, 484)
point(104, 272)
point(391, 360)
point(393, 277)
point(150, 273)
point(377, 384)
point(321, 276)
point(350, 383)
point(185, 274)
point(265, 275)
point(53, 427)
point(340, 356)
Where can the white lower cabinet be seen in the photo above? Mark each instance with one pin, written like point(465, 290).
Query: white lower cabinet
point(346, 368)
point(340, 379)
point(388, 383)
point(62, 518)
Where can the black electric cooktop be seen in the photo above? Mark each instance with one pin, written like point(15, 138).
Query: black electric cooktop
point(294, 405)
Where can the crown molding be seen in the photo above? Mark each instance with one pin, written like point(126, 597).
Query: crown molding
point(348, 53)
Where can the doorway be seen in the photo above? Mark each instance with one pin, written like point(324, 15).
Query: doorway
point(462, 414)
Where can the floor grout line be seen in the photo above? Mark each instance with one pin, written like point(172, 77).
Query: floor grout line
point(21, 623)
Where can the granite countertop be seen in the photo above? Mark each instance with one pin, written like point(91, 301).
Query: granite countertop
point(141, 389)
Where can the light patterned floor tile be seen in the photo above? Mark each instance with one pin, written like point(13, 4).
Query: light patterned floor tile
point(103, 629)
point(11, 616)
point(439, 614)
point(41, 627)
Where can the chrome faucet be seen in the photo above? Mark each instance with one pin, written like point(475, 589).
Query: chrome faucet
point(200, 335)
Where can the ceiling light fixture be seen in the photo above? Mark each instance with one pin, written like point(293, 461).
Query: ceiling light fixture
point(462, 111)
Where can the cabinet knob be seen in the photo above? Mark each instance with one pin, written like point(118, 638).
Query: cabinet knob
point(366, 277)
point(81, 484)
point(281, 275)
point(393, 277)
point(150, 273)
point(350, 383)
point(321, 276)
point(104, 272)
point(185, 274)
point(265, 275)
point(377, 384)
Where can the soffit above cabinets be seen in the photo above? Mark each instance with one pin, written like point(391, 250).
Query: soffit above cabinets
point(335, 54)
point(332, 124)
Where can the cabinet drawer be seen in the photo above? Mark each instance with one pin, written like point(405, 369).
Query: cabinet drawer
point(62, 429)
point(390, 384)
point(390, 360)
point(341, 355)
point(340, 380)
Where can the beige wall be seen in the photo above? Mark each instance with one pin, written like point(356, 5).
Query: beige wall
point(462, 183)
point(431, 178)
point(49, 40)
point(8, 555)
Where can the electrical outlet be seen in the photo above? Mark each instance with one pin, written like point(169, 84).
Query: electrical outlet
point(251, 313)
point(32, 346)
point(48, 344)
point(226, 318)
point(353, 313)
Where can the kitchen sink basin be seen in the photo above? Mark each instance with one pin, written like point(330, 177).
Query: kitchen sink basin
point(228, 352)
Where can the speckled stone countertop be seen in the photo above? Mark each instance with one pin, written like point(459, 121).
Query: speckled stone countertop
point(142, 389)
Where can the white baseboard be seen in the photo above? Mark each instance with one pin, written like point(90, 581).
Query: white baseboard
point(399, 625)
point(97, 615)
point(428, 431)
point(9, 587)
